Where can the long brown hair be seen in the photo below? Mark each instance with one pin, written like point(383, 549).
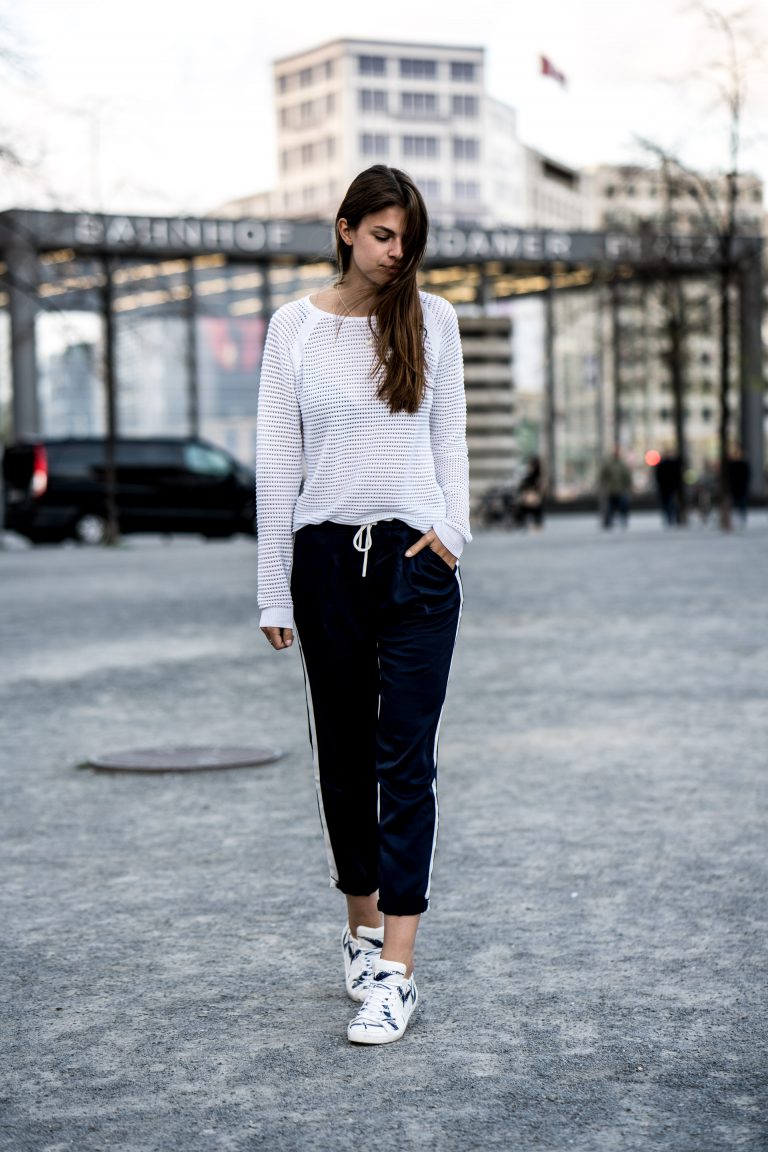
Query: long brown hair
point(398, 335)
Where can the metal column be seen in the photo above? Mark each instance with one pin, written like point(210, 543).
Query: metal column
point(549, 384)
point(193, 372)
point(752, 385)
point(22, 278)
point(616, 353)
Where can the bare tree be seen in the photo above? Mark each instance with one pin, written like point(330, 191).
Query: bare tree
point(12, 64)
point(660, 309)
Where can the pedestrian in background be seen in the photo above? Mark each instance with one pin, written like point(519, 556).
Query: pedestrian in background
point(738, 482)
point(529, 504)
point(615, 484)
point(362, 387)
point(669, 484)
point(705, 490)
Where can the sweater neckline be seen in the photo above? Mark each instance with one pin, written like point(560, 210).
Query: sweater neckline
point(335, 315)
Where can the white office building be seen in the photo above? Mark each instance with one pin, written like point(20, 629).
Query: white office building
point(348, 104)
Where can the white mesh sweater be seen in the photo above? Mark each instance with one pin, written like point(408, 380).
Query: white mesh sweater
point(319, 418)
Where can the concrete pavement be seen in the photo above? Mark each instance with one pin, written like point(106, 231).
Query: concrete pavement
point(592, 970)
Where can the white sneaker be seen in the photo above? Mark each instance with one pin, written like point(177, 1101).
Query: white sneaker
point(359, 954)
point(387, 1009)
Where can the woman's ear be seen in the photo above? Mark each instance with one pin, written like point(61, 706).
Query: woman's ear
point(344, 232)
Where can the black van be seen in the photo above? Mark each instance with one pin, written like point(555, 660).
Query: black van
point(56, 489)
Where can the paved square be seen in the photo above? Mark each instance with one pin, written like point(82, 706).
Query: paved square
point(592, 970)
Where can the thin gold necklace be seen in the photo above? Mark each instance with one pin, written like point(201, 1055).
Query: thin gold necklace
point(344, 308)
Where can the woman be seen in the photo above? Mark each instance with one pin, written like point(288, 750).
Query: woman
point(362, 394)
point(530, 496)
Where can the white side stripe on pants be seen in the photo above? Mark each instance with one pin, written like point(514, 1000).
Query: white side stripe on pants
point(334, 880)
point(437, 734)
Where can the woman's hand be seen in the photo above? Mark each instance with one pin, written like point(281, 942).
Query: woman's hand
point(431, 540)
point(279, 637)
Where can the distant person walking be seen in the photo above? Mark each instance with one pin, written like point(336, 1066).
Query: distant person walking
point(615, 484)
point(738, 482)
point(705, 490)
point(669, 484)
point(529, 503)
point(363, 510)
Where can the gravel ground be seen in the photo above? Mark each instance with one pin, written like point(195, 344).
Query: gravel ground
point(592, 969)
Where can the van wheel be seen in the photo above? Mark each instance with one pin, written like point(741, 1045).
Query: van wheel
point(90, 529)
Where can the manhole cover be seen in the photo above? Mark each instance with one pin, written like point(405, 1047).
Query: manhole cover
point(184, 758)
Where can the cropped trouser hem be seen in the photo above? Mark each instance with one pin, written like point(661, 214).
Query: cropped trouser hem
point(391, 910)
point(376, 632)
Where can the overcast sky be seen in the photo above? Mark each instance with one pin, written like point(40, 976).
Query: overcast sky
point(165, 106)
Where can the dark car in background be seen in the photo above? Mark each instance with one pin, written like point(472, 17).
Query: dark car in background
point(57, 489)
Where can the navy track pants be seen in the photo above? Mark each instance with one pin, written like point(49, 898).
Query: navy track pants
point(376, 649)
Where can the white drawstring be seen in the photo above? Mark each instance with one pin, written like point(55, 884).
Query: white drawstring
point(363, 543)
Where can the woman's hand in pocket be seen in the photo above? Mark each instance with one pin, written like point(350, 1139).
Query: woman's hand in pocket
point(432, 541)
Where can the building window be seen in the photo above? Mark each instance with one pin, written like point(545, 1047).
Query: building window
point(466, 189)
point(329, 69)
point(374, 144)
point(372, 100)
point(418, 69)
point(464, 105)
point(418, 103)
point(330, 147)
point(282, 84)
point(421, 146)
point(306, 110)
point(372, 65)
point(463, 70)
point(305, 77)
point(466, 148)
point(430, 189)
point(307, 153)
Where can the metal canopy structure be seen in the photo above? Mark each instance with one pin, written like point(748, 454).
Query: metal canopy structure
point(37, 248)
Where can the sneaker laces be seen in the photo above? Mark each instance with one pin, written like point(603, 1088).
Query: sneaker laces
point(376, 1009)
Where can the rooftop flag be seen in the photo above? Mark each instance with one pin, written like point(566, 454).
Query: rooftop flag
point(548, 69)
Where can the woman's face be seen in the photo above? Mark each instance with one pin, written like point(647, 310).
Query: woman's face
point(377, 244)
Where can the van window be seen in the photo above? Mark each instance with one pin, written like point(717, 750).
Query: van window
point(206, 461)
point(75, 459)
point(148, 454)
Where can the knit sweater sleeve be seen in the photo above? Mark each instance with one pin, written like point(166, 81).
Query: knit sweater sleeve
point(278, 472)
point(448, 430)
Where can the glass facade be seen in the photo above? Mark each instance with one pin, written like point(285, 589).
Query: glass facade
point(188, 341)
